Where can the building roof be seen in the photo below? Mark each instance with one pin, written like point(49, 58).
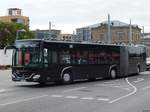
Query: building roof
point(46, 31)
point(14, 9)
point(115, 23)
point(147, 36)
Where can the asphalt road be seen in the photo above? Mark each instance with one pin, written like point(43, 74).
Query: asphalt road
point(130, 94)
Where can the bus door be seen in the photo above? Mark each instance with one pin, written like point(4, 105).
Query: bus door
point(50, 61)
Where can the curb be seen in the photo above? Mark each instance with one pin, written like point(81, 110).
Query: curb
point(5, 67)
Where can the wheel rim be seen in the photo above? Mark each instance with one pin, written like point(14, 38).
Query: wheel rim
point(66, 77)
point(113, 73)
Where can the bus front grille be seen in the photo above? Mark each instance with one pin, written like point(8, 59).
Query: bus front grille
point(23, 74)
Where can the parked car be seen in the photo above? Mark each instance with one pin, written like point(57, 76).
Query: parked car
point(148, 63)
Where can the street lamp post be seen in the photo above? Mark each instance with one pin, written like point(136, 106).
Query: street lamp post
point(109, 30)
point(143, 31)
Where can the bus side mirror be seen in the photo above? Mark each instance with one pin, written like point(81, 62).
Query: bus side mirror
point(8, 47)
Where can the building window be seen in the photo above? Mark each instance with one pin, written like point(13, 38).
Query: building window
point(14, 20)
point(137, 37)
point(102, 38)
point(121, 36)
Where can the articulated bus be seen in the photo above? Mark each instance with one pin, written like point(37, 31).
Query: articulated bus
point(45, 61)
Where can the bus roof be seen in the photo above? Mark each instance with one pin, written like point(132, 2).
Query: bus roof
point(81, 43)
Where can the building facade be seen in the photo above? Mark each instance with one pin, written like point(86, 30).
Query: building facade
point(47, 34)
point(67, 37)
point(146, 41)
point(119, 32)
point(85, 33)
point(15, 15)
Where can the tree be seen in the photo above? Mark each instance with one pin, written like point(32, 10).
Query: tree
point(8, 33)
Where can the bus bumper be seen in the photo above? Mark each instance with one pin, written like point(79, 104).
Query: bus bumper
point(32, 78)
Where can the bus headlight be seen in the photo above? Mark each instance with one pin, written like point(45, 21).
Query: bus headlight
point(36, 77)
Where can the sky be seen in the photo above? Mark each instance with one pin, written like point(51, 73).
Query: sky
point(67, 15)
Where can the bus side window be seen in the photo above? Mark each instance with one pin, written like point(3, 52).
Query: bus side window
point(82, 57)
point(45, 57)
point(79, 57)
point(64, 57)
point(94, 57)
point(54, 57)
point(73, 57)
point(102, 57)
point(91, 57)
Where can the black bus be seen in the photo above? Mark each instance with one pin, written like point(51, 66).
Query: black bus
point(45, 61)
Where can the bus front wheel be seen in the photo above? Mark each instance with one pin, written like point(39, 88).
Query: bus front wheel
point(113, 73)
point(67, 78)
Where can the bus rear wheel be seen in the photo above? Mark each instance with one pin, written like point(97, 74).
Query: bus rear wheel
point(113, 73)
point(67, 78)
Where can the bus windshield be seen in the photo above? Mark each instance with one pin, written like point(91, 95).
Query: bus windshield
point(27, 54)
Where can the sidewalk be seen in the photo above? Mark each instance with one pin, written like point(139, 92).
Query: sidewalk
point(5, 67)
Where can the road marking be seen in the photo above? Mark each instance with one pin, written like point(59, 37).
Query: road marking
point(6, 90)
point(103, 99)
point(121, 87)
point(114, 85)
point(23, 100)
point(110, 82)
point(81, 98)
point(138, 80)
point(147, 87)
point(71, 97)
point(87, 98)
point(2, 90)
point(56, 96)
point(107, 84)
point(74, 89)
point(122, 97)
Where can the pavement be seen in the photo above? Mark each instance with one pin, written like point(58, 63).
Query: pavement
point(129, 94)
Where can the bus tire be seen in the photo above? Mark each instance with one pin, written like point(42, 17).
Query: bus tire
point(67, 78)
point(113, 73)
